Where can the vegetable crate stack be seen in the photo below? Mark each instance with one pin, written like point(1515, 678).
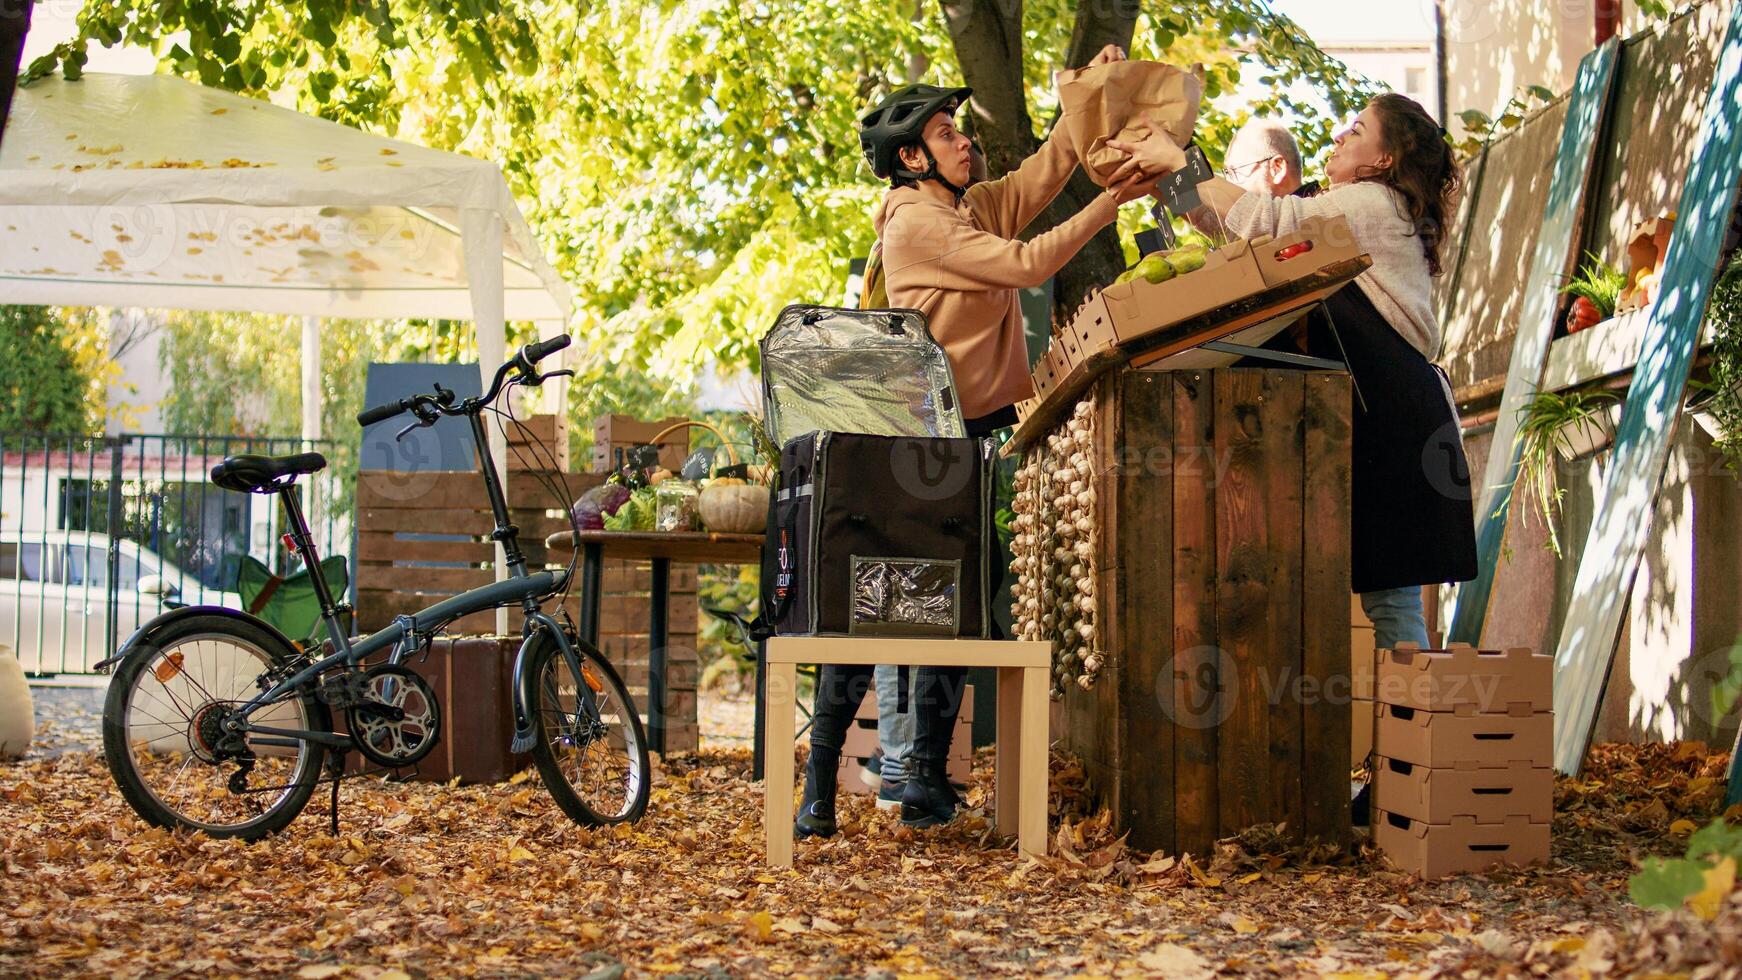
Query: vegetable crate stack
point(1182, 539)
point(1465, 745)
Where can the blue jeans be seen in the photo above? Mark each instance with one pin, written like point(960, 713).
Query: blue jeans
point(1397, 616)
point(895, 728)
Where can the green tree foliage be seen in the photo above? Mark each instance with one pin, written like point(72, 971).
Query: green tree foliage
point(53, 372)
point(692, 163)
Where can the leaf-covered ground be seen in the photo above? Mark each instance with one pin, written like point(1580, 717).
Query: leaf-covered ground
point(493, 881)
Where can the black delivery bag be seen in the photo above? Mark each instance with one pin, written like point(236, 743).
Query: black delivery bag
point(877, 535)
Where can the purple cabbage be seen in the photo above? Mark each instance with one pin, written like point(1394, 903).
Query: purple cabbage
point(591, 508)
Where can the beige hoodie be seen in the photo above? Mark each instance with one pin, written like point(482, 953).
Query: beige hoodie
point(962, 266)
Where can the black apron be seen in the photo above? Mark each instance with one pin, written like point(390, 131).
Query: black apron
point(1413, 521)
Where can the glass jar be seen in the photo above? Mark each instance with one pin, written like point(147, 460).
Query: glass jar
point(676, 505)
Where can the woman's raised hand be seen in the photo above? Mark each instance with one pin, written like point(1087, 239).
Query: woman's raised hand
point(1154, 156)
point(1108, 55)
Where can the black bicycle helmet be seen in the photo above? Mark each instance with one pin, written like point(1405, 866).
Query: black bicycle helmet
point(899, 121)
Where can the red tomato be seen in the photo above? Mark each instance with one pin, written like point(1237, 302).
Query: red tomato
point(1298, 248)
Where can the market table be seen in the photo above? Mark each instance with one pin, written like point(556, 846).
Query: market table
point(660, 548)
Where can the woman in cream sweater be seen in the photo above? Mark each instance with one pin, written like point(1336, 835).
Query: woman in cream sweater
point(1394, 179)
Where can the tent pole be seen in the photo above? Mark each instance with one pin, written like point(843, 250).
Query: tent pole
point(311, 409)
point(481, 237)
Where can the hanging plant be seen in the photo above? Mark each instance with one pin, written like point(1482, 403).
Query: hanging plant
point(1718, 404)
point(1560, 426)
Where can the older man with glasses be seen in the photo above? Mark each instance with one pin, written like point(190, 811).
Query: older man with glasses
point(1264, 159)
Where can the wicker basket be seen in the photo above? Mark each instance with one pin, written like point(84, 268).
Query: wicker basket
point(729, 508)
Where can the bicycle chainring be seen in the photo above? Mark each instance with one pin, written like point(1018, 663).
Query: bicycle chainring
point(395, 721)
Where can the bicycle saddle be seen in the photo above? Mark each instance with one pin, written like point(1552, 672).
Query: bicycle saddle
point(261, 474)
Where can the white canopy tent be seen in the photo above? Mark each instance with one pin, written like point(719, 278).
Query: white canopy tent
point(150, 191)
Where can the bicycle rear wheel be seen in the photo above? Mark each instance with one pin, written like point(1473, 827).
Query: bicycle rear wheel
point(593, 760)
point(165, 742)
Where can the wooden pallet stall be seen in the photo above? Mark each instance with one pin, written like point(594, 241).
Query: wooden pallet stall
point(1183, 540)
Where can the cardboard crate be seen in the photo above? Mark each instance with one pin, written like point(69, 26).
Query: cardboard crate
point(1488, 795)
point(1049, 371)
point(1025, 408)
point(1442, 740)
point(1465, 680)
point(1328, 240)
point(1125, 311)
point(861, 744)
point(1462, 845)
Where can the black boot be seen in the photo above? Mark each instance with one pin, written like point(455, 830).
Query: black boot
point(929, 798)
point(816, 812)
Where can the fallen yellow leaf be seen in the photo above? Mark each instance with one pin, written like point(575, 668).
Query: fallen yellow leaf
point(1683, 826)
point(1719, 880)
point(518, 853)
point(759, 926)
point(1244, 926)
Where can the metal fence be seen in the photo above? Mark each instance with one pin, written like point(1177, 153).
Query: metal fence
point(98, 534)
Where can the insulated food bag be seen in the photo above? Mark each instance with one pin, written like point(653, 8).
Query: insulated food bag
point(881, 536)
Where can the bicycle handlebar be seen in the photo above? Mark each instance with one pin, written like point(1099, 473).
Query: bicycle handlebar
point(381, 413)
point(524, 360)
point(544, 348)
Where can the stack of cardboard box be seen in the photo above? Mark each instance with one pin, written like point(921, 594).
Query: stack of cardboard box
point(1363, 660)
point(1464, 749)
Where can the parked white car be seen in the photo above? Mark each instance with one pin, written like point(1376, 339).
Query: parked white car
point(54, 595)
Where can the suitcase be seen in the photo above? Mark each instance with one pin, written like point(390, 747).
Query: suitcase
point(874, 535)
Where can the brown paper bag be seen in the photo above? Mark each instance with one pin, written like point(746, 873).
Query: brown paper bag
point(1128, 101)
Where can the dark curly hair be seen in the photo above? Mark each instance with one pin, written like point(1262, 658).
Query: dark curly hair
point(1422, 169)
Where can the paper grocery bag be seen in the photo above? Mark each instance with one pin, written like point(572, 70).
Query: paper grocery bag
point(1128, 101)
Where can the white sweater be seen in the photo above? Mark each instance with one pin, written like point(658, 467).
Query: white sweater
point(1398, 284)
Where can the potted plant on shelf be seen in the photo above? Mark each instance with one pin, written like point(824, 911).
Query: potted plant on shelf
point(1595, 291)
point(1569, 426)
point(1717, 404)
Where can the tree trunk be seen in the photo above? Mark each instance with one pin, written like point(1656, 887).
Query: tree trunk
point(14, 24)
point(987, 36)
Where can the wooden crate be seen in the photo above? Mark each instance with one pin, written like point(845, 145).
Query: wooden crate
point(473, 679)
point(398, 571)
point(1222, 586)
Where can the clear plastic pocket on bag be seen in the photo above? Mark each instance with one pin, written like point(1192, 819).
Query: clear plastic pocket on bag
point(906, 596)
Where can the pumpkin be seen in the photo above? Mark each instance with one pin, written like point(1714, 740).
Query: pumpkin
point(734, 507)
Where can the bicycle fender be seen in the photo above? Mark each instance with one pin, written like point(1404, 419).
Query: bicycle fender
point(546, 631)
point(145, 637)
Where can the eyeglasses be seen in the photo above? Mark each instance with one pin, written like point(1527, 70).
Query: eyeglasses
point(1235, 173)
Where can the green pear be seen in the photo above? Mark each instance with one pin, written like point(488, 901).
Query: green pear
point(1126, 276)
point(1186, 260)
point(1155, 268)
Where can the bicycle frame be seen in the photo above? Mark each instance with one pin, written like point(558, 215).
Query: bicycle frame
point(409, 633)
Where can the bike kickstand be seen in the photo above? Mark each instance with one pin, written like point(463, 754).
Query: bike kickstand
point(338, 771)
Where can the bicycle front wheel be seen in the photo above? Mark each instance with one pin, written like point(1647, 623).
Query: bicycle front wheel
point(165, 741)
point(591, 753)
